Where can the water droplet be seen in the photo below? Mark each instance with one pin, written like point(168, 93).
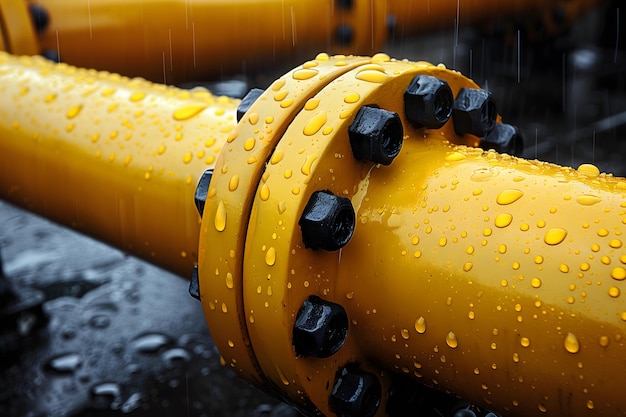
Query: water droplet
point(467, 266)
point(604, 341)
point(249, 144)
point(74, 111)
point(590, 405)
point(535, 282)
point(304, 74)
point(420, 325)
point(150, 343)
point(187, 157)
point(372, 76)
point(67, 363)
point(270, 256)
point(571, 343)
point(282, 376)
point(555, 236)
point(105, 394)
point(455, 156)
point(451, 340)
point(588, 200)
point(351, 98)
point(443, 241)
point(280, 96)
point(224, 308)
point(503, 219)
point(220, 217)
point(315, 124)
point(516, 357)
point(509, 196)
point(233, 183)
point(264, 194)
point(542, 408)
point(588, 170)
point(405, 334)
point(525, 342)
point(308, 163)
point(229, 280)
point(188, 111)
point(175, 357)
point(100, 321)
point(614, 292)
point(286, 103)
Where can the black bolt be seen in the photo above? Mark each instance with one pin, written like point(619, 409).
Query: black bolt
point(194, 284)
point(356, 393)
point(344, 34)
point(51, 55)
point(376, 135)
point(321, 328)
point(39, 16)
point(327, 221)
point(474, 112)
point(491, 415)
point(202, 190)
point(428, 102)
point(247, 102)
point(504, 138)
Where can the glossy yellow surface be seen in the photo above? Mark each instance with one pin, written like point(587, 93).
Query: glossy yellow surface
point(116, 158)
point(179, 40)
point(495, 278)
point(489, 276)
point(17, 34)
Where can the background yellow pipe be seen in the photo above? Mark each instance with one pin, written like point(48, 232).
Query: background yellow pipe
point(115, 157)
point(174, 41)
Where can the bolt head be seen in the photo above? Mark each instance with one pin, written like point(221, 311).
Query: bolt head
point(376, 135)
point(504, 138)
point(321, 328)
point(356, 393)
point(202, 189)
point(474, 112)
point(247, 101)
point(428, 102)
point(327, 221)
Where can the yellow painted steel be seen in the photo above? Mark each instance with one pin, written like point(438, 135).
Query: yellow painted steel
point(117, 158)
point(492, 277)
point(488, 276)
point(179, 40)
point(173, 41)
point(17, 34)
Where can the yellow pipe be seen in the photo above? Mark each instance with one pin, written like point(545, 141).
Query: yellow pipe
point(173, 41)
point(488, 276)
point(117, 158)
point(485, 275)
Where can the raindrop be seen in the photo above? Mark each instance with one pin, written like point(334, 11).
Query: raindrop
point(74, 111)
point(509, 196)
point(265, 192)
point(525, 342)
point(99, 321)
point(270, 256)
point(150, 343)
point(451, 340)
point(315, 124)
point(588, 200)
point(188, 111)
point(105, 394)
point(555, 236)
point(233, 183)
point(535, 282)
point(571, 343)
point(420, 325)
point(372, 76)
point(220, 217)
point(455, 156)
point(503, 219)
point(588, 170)
point(67, 363)
point(175, 357)
point(618, 273)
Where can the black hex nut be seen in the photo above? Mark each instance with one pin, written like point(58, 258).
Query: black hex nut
point(202, 190)
point(428, 102)
point(356, 393)
point(474, 112)
point(247, 101)
point(376, 135)
point(39, 16)
point(321, 328)
point(504, 138)
point(327, 221)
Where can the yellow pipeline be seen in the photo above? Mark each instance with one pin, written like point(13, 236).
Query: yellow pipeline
point(485, 275)
point(114, 157)
point(173, 41)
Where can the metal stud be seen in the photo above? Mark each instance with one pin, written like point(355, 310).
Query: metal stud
point(376, 135)
point(327, 221)
point(321, 328)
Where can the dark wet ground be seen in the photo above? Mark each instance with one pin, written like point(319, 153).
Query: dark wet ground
point(124, 337)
